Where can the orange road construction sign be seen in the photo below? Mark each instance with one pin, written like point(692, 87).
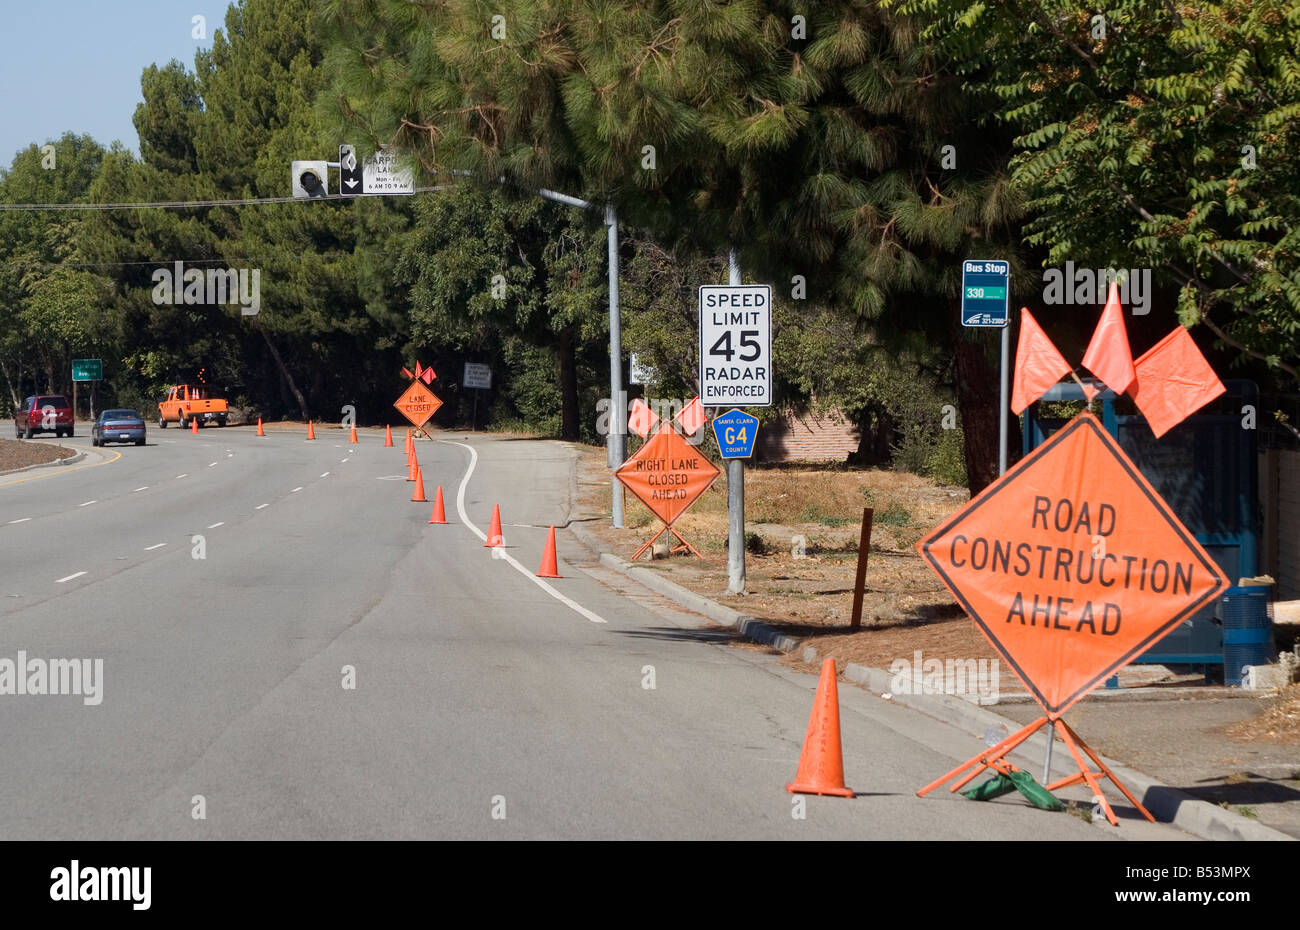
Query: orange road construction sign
point(667, 474)
point(1071, 564)
point(418, 404)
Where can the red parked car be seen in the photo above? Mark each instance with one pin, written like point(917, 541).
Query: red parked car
point(44, 413)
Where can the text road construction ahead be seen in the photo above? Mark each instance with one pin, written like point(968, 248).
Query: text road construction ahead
point(1071, 564)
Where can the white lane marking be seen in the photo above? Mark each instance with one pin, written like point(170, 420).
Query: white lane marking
point(153, 547)
point(145, 488)
point(501, 553)
point(296, 490)
point(69, 577)
point(186, 475)
point(325, 474)
point(210, 464)
point(341, 461)
point(217, 524)
point(20, 520)
point(260, 506)
point(88, 503)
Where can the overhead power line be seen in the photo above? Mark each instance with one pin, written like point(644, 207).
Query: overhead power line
point(181, 204)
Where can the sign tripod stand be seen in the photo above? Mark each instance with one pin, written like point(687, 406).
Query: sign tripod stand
point(667, 475)
point(995, 759)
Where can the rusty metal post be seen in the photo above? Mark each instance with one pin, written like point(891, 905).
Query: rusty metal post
point(860, 583)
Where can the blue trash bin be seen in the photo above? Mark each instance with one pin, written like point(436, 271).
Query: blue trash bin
point(1247, 631)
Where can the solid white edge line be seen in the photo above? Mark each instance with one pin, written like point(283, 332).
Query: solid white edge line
point(145, 488)
point(69, 577)
point(88, 503)
point(501, 553)
point(153, 547)
point(22, 520)
point(215, 525)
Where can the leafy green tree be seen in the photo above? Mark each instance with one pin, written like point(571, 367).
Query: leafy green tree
point(514, 279)
point(1154, 134)
point(711, 126)
point(50, 299)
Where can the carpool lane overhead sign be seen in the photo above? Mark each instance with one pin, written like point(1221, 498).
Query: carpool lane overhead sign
point(736, 345)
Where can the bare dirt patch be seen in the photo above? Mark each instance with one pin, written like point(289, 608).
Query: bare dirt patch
point(20, 453)
point(803, 527)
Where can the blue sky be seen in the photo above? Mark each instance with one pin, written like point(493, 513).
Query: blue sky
point(75, 64)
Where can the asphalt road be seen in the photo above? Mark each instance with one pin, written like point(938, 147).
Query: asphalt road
point(485, 705)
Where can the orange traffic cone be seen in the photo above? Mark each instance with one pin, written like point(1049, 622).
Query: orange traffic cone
point(821, 764)
point(388, 435)
point(417, 495)
point(311, 430)
point(439, 515)
point(494, 530)
point(260, 431)
point(548, 569)
point(407, 446)
point(412, 466)
point(352, 438)
point(194, 424)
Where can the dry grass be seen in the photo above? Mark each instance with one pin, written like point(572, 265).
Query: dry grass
point(1280, 722)
point(802, 556)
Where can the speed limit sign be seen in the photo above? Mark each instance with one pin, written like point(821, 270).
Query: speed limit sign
point(736, 345)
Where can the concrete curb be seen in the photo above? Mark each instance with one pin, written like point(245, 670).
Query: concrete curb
point(57, 463)
point(1166, 804)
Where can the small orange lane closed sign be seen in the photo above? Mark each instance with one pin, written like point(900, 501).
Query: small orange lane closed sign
point(667, 474)
point(417, 404)
point(1071, 564)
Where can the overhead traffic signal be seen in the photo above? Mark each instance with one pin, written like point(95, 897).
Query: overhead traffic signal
point(310, 179)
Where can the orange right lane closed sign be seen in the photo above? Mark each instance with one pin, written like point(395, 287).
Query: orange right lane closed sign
point(667, 474)
point(1071, 564)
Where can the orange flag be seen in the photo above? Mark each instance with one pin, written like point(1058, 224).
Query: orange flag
point(691, 417)
point(1108, 356)
point(1038, 364)
point(641, 419)
point(1173, 381)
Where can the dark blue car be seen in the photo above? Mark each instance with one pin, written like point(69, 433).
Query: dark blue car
point(118, 426)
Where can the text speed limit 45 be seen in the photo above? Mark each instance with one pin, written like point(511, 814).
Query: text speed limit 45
point(736, 345)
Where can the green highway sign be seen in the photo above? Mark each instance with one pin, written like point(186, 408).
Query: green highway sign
point(87, 369)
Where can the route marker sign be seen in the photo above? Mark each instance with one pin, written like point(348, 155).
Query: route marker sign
point(1071, 564)
point(736, 432)
point(985, 284)
point(736, 345)
point(668, 475)
point(87, 369)
point(418, 404)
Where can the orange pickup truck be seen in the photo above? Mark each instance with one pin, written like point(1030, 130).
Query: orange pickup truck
point(188, 402)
